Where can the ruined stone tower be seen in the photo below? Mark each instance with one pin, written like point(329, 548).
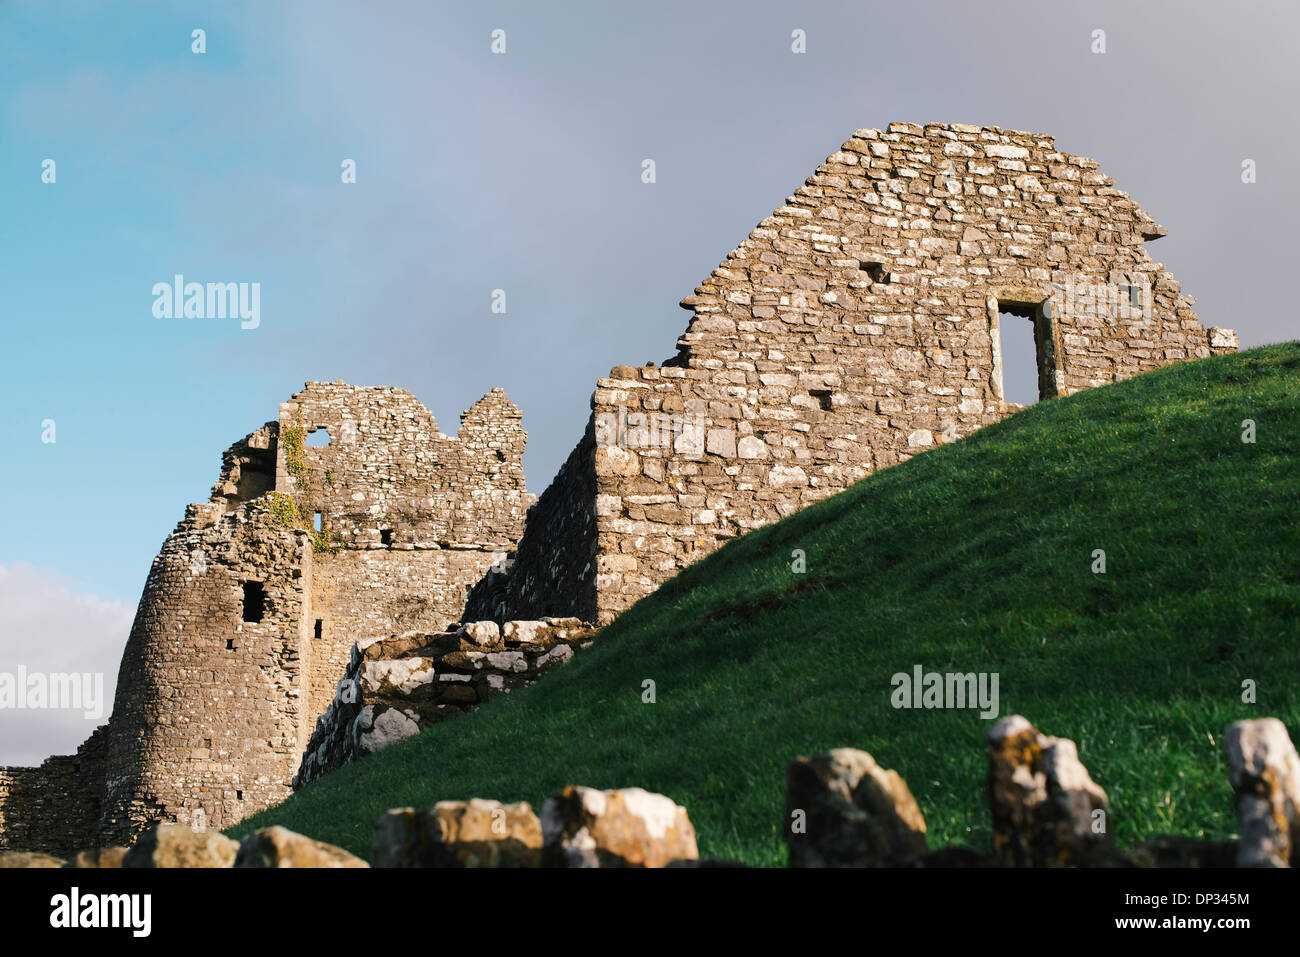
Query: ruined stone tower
point(858, 325)
point(253, 604)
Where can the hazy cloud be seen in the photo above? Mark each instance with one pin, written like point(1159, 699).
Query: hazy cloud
point(46, 629)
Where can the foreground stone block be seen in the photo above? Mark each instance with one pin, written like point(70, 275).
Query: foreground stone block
point(98, 858)
point(475, 833)
point(1265, 775)
point(16, 859)
point(631, 827)
point(175, 845)
point(845, 810)
point(1047, 810)
point(281, 847)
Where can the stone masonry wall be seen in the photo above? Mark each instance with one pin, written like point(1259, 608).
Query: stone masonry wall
point(859, 324)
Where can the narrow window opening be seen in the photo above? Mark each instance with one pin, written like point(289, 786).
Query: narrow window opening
point(317, 438)
point(318, 521)
point(254, 602)
point(319, 628)
point(386, 536)
point(230, 644)
point(1020, 372)
point(239, 795)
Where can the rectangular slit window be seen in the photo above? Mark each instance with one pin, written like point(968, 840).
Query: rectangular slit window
point(1019, 358)
point(386, 536)
point(319, 628)
point(254, 601)
point(318, 521)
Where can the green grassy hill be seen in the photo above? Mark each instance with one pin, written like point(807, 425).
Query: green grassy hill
point(975, 556)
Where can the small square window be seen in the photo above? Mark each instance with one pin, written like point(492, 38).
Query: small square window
point(386, 536)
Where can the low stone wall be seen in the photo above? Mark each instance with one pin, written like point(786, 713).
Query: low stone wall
point(52, 807)
point(842, 810)
point(397, 685)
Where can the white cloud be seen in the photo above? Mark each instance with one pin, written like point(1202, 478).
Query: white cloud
point(47, 628)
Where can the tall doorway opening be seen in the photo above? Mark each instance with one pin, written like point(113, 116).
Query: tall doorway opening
point(1024, 353)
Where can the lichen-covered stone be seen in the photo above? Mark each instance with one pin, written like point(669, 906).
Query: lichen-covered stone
point(631, 827)
point(395, 686)
point(1047, 811)
point(1265, 773)
point(844, 810)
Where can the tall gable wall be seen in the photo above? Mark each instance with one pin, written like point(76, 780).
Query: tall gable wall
point(858, 325)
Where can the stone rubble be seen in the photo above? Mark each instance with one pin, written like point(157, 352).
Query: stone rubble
point(395, 686)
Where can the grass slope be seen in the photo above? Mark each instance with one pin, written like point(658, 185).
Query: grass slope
point(975, 556)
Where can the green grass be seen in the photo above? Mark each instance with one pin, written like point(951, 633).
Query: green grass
point(975, 556)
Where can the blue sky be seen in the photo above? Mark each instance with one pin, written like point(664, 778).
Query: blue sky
point(519, 172)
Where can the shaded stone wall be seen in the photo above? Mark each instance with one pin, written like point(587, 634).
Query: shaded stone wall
point(554, 570)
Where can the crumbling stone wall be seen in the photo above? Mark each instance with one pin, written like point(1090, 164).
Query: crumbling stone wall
point(858, 325)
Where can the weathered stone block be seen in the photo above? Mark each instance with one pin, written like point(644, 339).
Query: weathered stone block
point(844, 810)
point(584, 827)
point(1265, 772)
point(279, 847)
point(174, 845)
point(475, 833)
point(1047, 810)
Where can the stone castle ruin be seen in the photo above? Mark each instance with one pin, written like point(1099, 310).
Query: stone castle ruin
point(859, 324)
